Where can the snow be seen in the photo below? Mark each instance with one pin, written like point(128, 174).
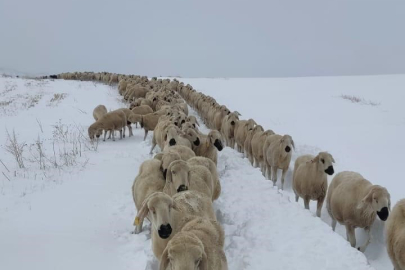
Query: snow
point(79, 215)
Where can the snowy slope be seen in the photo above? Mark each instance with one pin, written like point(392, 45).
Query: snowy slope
point(79, 215)
point(364, 136)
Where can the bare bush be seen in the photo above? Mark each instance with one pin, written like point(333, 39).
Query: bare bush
point(15, 148)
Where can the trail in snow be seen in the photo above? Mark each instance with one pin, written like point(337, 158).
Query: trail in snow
point(81, 217)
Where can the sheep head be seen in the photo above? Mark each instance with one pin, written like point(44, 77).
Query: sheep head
point(184, 252)
point(286, 144)
point(191, 135)
point(177, 177)
point(324, 161)
point(158, 206)
point(215, 138)
point(379, 200)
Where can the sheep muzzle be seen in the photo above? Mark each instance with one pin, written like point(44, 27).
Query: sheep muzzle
point(218, 145)
point(197, 142)
point(182, 188)
point(329, 170)
point(172, 142)
point(383, 213)
point(165, 231)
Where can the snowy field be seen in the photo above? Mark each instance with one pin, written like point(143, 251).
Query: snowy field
point(71, 206)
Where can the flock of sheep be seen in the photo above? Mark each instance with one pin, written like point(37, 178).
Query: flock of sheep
point(176, 188)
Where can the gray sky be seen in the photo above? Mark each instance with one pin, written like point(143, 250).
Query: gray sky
point(204, 38)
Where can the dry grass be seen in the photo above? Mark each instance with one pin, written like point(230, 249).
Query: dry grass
point(356, 99)
point(58, 97)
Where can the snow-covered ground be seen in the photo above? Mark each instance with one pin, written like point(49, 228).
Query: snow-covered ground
point(76, 209)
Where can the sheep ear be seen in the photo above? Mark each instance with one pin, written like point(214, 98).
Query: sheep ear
point(142, 213)
point(204, 262)
point(165, 137)
point(198, 124)
point(169, 175)
point(236, 112)
point(333, 160)
point(164, 260)
point(292, 143)
point(315, 160)
point(366, 200)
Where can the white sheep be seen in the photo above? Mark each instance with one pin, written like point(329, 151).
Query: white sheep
point(169, 214)
point(310, 180)
point(210, 145)
point(257, 142)
point(248, 142)
point(278, 156)
point(99, 112)
point(211, 166)
point(355, 202)
point(228, 128)
point(395, 232)
point(241, 130)
point(199, 245)
point(111, 121)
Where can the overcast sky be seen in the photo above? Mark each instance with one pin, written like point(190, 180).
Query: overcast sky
point(204, 38)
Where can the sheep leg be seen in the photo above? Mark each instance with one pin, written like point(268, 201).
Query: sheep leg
point(121, 134)
point(306, 203)
point(153, 146)
point(296, 197)
point(113, 135)
point(136, 124)
point(130, 131)
point(319, 206)
point(105, 134)
point(146, 134)
point(334, 222)
point(363, 247)
point(351, 237)
point(268, 170)
point(282, 178)
point(274, 175)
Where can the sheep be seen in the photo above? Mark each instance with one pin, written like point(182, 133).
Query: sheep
point(248, 142)
point(141, 101)
point(199, 245)
point(149, 121)
point(169, 214)
point(151, 179)
point(193, 120)
point(187, 138)
point(395, 232)
point(184, 152)
point(241, 129)
point(228, 128)
point(142, 110)
point(310, 180)
point(354, 202)
point(210, 145)
point(277, 156)
point(198, 177)
point(258, 140)
point(111, 121)
point(99, 112)
point(218, 116)
point(208, 163)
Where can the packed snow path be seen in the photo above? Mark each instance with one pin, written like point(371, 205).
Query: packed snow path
point(81, 216)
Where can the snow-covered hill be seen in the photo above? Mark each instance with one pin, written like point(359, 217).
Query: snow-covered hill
point(71, 206)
